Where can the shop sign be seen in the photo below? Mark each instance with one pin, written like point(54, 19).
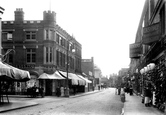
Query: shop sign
point(86, 60)
point(25, 66)
point(135, 50)
point(151, 33)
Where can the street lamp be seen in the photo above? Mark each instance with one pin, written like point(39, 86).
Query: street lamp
point(67, 69)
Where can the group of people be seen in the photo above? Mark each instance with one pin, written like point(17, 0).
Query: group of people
point(125, 89)
point(147, 95)
point(35, 91)
point(129, 90)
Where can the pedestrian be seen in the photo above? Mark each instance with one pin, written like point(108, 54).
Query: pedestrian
point(74, 90)
point(131, 90)
point(58, 91)
point(37, 91)
point(34, 91)
point(62, 91)
point(41, 91)
point(119, 90)
point(148, 95)
point(98, 87)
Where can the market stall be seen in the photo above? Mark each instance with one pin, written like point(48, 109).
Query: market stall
point(9, 73)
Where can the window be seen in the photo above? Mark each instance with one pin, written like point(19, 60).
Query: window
point(60, 58)
point(57, 57)
point(63, 59)
point(57, 38)
point(30, 35)
point(61, 41)
point(71, 61)
point(47, 34)
point(51, 34)
point(49, 55)
point(31, 55)
point(7, 35)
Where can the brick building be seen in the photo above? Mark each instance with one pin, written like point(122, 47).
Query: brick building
point(40, 46)
point(151, 37)
point(88, 69)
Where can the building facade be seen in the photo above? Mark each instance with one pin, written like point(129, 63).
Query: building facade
point(40, 46)
point(151, 36)
point(98, 76)
point(88, 69)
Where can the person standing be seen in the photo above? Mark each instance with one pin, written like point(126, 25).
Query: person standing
point(147, 96)
point(131, 90)
point(58, 91)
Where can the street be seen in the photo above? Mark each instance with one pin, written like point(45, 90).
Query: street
point(104, 102)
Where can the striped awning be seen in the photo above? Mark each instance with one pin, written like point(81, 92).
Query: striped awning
point(55, 75)
point(86, 80)
point(74, 78)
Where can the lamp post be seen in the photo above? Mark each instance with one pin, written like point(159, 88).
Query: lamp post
point(67, 70)
point(67, 80)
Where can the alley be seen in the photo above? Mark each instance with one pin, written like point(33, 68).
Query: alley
point(104, 102)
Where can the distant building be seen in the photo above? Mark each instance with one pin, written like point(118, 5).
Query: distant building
point(88, 70)
point(98, 76)
point(123, 71)
point(40, 46)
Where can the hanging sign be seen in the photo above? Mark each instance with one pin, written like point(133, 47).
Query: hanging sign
point(135, 50)
point(151, 33)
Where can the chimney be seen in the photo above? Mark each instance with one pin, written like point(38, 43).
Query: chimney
point(19, 14)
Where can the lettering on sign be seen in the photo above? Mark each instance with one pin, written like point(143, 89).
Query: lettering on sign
point(25, 66)
point(151, 33)
point(135, 50)
point(86, 60)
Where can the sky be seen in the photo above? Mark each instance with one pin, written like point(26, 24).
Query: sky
point(104, 28)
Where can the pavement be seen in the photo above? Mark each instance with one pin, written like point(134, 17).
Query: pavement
point(22, 101)
point(134, 106)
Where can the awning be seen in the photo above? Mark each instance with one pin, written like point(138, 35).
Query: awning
point(81, 82)
point(8, 72)
point(74, 78)
point(55, 75)
point(87, 81)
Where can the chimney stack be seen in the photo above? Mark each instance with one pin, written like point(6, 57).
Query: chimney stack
point(19, 14)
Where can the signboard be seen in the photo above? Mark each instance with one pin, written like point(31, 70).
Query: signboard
point(86, 60)
point(31, 66)
point(135, 50)
point(151, 33)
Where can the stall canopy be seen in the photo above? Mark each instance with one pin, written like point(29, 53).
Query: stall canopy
point(8, 72)
point(86, 80)
point(80, 81)
point(74, 78)
point(55, 75)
